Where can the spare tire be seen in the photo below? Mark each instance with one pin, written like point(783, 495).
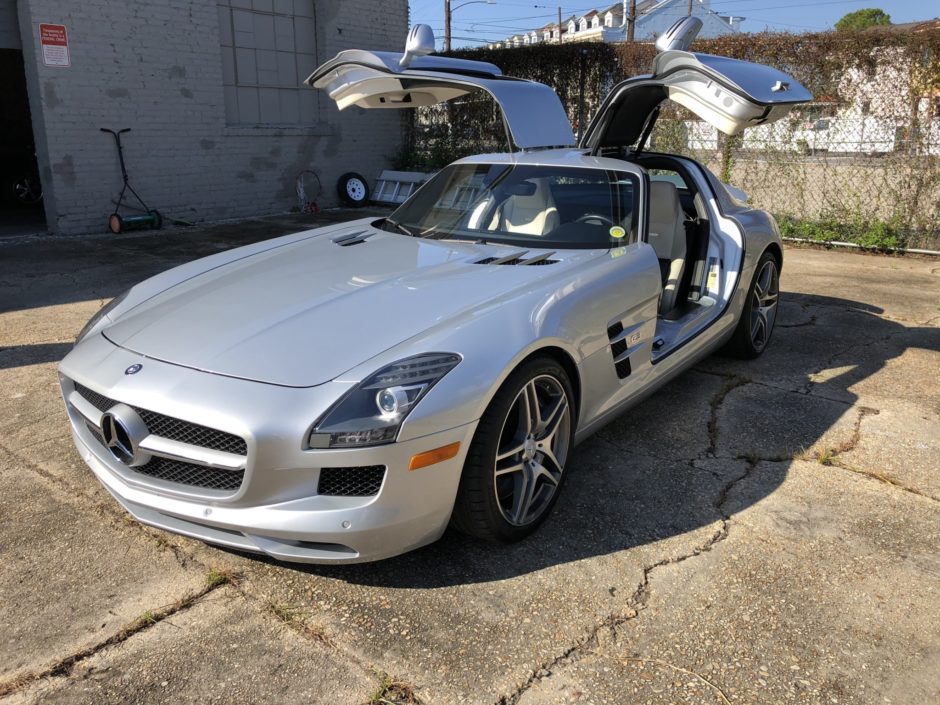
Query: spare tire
point(353, 189)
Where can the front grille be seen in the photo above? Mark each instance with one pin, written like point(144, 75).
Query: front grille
point(194, 434)
point(95, 431)
point(177, 471)
point(174, 429)
point(363, 481)
point(99, 401)
point(191, 474)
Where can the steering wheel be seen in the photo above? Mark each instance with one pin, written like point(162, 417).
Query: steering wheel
point(587, 217)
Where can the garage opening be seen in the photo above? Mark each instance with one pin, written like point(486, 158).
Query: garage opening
point(21, 208)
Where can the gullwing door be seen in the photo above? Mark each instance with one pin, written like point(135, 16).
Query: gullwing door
point(728, 93)
point(532, 111)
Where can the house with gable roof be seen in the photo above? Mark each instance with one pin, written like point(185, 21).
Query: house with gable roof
point(608, 24)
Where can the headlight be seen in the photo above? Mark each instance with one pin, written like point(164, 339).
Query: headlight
point(102, 312)
point(374, 410)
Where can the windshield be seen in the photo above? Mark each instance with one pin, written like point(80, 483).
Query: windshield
point(534, 206)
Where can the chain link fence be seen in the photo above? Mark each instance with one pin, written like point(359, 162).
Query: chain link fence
point(859, 164)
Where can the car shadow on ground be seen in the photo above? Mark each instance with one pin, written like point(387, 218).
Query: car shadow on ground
point(664, 468)
point(22, 355)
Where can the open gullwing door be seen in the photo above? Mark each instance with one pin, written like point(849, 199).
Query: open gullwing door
point(727, 93)
point(532, 111)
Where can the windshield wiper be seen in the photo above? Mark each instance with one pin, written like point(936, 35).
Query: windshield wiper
point(399, 226)
point(433, 233)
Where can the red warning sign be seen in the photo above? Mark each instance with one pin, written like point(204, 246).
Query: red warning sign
point(55, 45)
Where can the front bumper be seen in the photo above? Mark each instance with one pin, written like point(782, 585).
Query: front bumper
point(277, 510)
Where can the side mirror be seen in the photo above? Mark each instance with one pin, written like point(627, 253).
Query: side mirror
point(680, 35)
point(420, 43)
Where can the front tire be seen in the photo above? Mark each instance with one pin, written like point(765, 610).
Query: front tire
point(759, 314)
point(516, 465)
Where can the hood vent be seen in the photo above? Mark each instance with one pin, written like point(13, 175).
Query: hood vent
point(355, 238)
point(516, 259)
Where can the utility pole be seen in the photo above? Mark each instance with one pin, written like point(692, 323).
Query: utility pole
point(446, 25)
point(631, 20)
point(690, 8)
point(559, 24)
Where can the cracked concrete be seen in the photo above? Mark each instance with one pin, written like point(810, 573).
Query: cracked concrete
point(756, 532)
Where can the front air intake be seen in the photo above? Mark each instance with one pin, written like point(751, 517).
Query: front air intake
point(362, 481)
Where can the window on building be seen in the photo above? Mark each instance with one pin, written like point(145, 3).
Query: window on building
point(596, 22)
point(268, 49)
point(582, 25)
point(571, 27)
point(609, 19)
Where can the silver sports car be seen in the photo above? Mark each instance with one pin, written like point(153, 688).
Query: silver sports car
point(345, 393)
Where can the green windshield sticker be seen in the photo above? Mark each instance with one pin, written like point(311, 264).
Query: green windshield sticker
point(617, 232)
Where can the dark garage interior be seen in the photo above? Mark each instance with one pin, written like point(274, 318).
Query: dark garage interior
point(20, 188)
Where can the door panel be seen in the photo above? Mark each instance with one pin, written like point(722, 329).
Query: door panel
point(729, 94)
point(533, 112)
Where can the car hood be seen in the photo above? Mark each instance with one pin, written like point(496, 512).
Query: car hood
point(301, 314)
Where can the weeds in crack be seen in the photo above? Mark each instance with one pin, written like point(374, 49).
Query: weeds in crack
point(64, 666)
point(298, 619)
point(827, 456)
point(881, 477)
point(221, 576)
point(393, 691)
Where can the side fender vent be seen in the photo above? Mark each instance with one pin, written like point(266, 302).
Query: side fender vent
point(619, 349)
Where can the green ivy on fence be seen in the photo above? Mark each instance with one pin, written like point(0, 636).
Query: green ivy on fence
point(865, 155)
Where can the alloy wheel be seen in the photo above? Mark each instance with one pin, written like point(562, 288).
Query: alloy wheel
point(532, 450)
point(764, 304)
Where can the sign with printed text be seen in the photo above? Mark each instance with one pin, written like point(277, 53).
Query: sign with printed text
point(55, 45)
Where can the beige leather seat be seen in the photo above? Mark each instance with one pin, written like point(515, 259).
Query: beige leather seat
point(667, 236)
point(534, 214)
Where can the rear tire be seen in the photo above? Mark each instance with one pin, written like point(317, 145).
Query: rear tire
point(515, 468)
point(759, 313)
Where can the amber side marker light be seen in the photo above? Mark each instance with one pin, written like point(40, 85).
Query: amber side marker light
point(430, 457)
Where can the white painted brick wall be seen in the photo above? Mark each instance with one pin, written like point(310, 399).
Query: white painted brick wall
point(156, 67)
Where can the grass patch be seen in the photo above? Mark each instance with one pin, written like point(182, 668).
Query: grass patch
point(871, 233)
point(220, 576)
point(393, 691)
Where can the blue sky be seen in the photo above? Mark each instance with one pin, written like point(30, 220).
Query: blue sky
point(477, 22)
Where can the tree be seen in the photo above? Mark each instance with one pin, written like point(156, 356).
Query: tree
point(862, 19)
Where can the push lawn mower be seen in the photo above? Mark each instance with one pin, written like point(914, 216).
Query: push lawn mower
point(118, 223)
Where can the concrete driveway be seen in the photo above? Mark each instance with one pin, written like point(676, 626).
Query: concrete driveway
point(763, 532)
